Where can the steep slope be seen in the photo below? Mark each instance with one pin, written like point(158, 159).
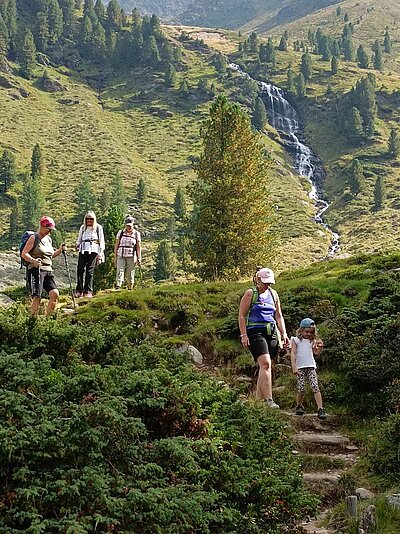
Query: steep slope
point(166, 9)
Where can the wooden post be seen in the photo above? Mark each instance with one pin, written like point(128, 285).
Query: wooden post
point(351, 505)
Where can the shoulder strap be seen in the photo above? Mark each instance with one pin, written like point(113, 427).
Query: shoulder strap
point(35, 242)
point(254, 299)
point(274, 295)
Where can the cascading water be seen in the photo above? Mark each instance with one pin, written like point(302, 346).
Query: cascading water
point(284, 118)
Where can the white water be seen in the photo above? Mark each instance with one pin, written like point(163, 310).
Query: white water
point(284, 118)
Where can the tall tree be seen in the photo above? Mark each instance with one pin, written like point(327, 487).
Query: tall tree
point(100, 11)
point(118, 194)
point(232, 161)
point(141, 191)
point(8, 170)
point(219, 62)
point(306, 66)
point(169, 75)
point(104, 275)
point(387, 43)
point(379, 193)
point(259, 117)
point(253, 42)
point(37, 163)
point(300, 85)
point(32, 201)
point(56, 22)
point(15, 219)
point(290, 80)
point(394, 143)
point(334, 65)
point(151, 52)
point(354, 125)
point(180, 203)
point(27, 55)
point(164, 267)
point(356, 176)
point(283, 45)
point(377, 56)
point(362, 57)
point(85, 198)
point(364, 97)
point(4, 39)
point(114, 15)
point(348, 49)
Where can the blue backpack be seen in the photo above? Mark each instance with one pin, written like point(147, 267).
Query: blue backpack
point(24, 238)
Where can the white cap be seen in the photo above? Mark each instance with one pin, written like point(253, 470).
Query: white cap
point(266, 276)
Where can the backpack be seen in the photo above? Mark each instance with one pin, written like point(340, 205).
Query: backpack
point(254, 299)
point(24, 238)
point(136, 240)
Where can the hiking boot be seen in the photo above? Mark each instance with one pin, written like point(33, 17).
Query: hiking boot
point(321, 413)
point(271, 404)
point(78, 294)
point(88, 295)
point(300, 410)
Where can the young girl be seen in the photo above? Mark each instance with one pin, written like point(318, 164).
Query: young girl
point(304, 347)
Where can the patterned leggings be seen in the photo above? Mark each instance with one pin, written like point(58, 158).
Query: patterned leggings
point(308, 374)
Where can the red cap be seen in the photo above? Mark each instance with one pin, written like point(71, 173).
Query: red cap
point(47, 222)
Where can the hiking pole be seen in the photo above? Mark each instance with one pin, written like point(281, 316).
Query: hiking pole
point(140, 275)
point(69, 278)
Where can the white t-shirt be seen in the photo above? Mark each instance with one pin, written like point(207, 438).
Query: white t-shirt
point(304, 353)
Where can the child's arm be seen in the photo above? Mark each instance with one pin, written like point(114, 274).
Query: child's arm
point(293, 352)
point(317, 346)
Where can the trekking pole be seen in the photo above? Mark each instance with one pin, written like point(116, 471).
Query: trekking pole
point(69, 278)
point(140, 275)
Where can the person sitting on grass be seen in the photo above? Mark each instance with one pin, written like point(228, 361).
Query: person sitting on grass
point(303, 348)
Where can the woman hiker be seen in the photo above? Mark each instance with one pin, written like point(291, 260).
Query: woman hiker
point(127, 252)
point(39, 253)
point(260, 319)
point(91, 245)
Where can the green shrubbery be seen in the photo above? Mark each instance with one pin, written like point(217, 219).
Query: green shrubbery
point(100, 433)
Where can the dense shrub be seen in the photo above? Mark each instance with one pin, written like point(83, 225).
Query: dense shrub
point(99, 433)
point(384, 450)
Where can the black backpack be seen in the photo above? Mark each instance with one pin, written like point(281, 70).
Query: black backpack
point(24, 238)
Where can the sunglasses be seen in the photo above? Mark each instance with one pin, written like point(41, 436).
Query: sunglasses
point(89, 219)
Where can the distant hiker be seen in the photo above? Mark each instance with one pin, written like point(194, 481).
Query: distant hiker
point(91, 245)
point(38, 253)
point(304, 346)
point(261, 323)
point(127, 252)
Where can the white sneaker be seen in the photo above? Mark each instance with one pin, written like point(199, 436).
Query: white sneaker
point(271, 404)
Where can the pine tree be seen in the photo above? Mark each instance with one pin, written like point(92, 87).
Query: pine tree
point(325, 48)
point(105, 201)
point(151, 52)
point(8, 170)
point(155, 26)
point(300, 85)
point(259, 117)
point(183, 88)
point(270, 55)
point(180, 203)
point(114, 15)
point(104, 275)
point(28, 55)
point(164, 268)
point(170, 75)
point(283, 45)
point(364, 97)
point(387, 43)
point(4, 39)
point(184, 244)
point(100, 11)
point(356, 176)
point(85, 199)
point(98, 45)
point(231, 168)
point(394, 143)
point(362, 58)
point(141, 191)
point(306, 66)
point(8, 10)
point(334, 65)
point(68, 10)
point(348, 49)
point(354, 125)
point(290, 80)
point(32, 202)
point(219, 63)
point(171, 229)
point(379, 193)
point(15, 219)
point(253, 42)
point(37, 164)
point(377, 56)
point(118, 195)
point(55, 19)
point(167, 53)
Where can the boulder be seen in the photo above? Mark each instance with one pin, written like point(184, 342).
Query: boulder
point(195, 355)
point(69, 101)
point(5, 67)
point(394, 500)
point(52, 86)
point(6, 83)
point(363, 494)
point(368, 520)
point(24, 92)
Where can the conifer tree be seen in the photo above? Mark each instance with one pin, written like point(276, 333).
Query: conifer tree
point(8, 170)
point(356, 176)
point(37, 164)
point(377, 56)
point(141, 192)
point(105, 201)
point(68, 11)
point(180, 203)
point(104, 275)
point(387, 43)
point(151, 52)
point(32, 201)
point(55, 20)
point(100, 11)
point(253, 42)
point(98, 45)
point(118, 194)
point(8, 11)
point(170, 75)
point(270, 55)
point(184, 244)
point(362, 58)
point(334, 65)
point(259, 117)
point(325, 48)
point(155, 26)
point(232, 161)
point(354, 125)
point(167, 53)
point(114, 15)
point(379, 193)
point(14, 221)
point(203, 85)
point(219, 63)
point(85, 198)
point(348, 49)
point(183, 88)
point(300, 85)
point(394, 143)
point(4, 39)
point(28, 55)
point(365, 99)
point(306, 66)
point(164, 267)
point(283, 45)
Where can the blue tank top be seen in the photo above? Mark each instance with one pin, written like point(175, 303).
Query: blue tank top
point(262, 311)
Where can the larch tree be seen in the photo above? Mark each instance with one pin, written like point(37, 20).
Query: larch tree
point(259, 117)
point(232, 216)
point(387, 43)
point(27, 56)
point(8, 170)
point(356, 176)
point(180, 203)
point(394, 143)
point(37, 164)
point(165, 262)
point(141, 191)
point(379, 193)
point(306, 66)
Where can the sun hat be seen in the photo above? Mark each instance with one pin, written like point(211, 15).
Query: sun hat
point(129, 221)
point(47, 222)
point(307, 322)
point(266, 276)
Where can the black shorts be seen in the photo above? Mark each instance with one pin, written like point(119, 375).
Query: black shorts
point(263, 342)
point(38, 280)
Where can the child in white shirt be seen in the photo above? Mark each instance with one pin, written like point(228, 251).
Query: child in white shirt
point(303, 348)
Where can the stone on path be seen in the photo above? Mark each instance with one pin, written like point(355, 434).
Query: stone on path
point(363, 494)
point(394, 500)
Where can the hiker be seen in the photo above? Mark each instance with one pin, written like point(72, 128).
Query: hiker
point(127, 252)
point(261, 323)
point(91, 245)
point(38, 252)
point(304, 346)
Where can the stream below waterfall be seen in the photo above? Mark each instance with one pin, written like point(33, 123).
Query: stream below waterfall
point(285, 119)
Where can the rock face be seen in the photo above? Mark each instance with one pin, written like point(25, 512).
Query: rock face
point(195, 355)
point(52, 86)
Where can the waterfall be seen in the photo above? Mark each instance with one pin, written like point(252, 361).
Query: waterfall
point(285, 119)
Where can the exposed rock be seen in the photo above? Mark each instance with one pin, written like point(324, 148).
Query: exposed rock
point(195, 355)
point(4, 66)
point(5, 301)
point(69, 101)
point(161, 113)
point(363, 494)
point(14, 96)
point(368, 520)
point(6, 83)
point(52, 86)
point(394, 500)
point(42, 59)
point(24, 92)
